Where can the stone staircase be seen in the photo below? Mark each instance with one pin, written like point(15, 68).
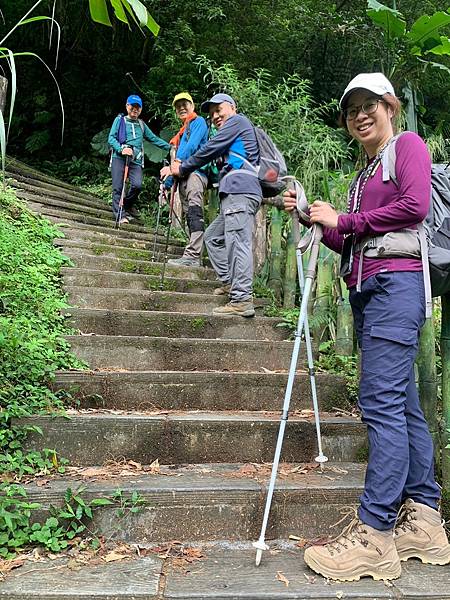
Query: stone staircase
point(182, 408)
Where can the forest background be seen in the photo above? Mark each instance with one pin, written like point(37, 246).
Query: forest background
point(325, 43)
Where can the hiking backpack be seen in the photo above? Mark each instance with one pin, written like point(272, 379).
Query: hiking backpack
point(122, 135)
point(272, 166)
point(434, 231)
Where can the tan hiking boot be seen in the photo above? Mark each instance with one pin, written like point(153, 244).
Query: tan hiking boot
point(420, 533)
point(359, 551)
point(242, 309)
point(223, 290)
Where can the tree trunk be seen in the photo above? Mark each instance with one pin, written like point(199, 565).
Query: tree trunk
point(260, 239)
point(344, 323)
point(275, 252)
point(426, 367)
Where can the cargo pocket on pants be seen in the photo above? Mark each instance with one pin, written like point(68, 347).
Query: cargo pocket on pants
point(407, 336)
point(236, 218)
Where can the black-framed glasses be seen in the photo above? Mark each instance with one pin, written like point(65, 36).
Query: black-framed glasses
point(368, 107)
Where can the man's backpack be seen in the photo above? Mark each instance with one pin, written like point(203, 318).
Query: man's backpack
point(272, 166)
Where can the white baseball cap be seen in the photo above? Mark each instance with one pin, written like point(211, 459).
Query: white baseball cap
point(377, 83)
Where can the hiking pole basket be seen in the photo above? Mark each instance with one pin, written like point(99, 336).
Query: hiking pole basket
point(311, 240)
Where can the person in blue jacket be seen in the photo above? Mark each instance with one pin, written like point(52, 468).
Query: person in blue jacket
point(192, 135)
point(126, 138)
point(229, 238)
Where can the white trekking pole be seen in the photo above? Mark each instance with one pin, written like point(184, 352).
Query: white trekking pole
point(313, 241)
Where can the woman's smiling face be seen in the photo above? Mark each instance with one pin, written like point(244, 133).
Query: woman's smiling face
point(371, 130)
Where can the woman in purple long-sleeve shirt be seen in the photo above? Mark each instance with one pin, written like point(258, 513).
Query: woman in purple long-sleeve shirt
point(397, 518)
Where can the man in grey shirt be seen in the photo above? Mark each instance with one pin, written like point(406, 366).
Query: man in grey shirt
point(229, 238)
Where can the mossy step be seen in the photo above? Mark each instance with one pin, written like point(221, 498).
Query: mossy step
point(143, 300)
point(206, 502)
point(84, 260)
point(193, 437)
point(199, 390)
point(114, 250)
point(65, 222)
point(46, 193)
point(97, 278)
point(140, 353)
point(173, 324)
point(78, 234)
point(40, 203)
point(101, 248)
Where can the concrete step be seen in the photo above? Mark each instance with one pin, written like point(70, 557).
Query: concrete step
point(199, 390)
point(65, 221)
point(115, 251)
point(101, 249)
point(21, 171)
point(112, 238)
point(143, 300)
point(60, 199)
point(173, 324)
point(75, 277)
point(193, 437)
point(146, 267)
point(81, 217)
point(209, 502)
point(223, 571)
point(139, 353)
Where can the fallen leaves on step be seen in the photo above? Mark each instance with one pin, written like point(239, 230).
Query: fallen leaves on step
point(282, 578)
point(6, 566)
point(310, 578)
point(180, 555)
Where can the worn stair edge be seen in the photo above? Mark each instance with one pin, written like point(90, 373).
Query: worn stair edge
point(61, 200)
point(141, 390)
point(208, 502)
point(96, 278)
point(65, 222)
point(78, 234)
point(85, 219)
point(99, 248)
point(193, 437)
point(15, 166)
point(39, 187)
point(138, 353)
point(142, 300)
point(173, 324)
point(225, 572)
point(145, 267)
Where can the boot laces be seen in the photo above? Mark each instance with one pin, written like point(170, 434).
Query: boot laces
point(352, 533)
point(405, 518)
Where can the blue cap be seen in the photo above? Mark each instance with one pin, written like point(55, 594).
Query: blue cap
point(133, 99)
point(217, 99)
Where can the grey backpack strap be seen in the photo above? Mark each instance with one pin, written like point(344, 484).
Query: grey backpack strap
point(426, 270)
point(388, 160)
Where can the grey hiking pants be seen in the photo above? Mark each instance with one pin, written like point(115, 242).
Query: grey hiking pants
point(229, 241)
point(135, 173)
point(192, 191)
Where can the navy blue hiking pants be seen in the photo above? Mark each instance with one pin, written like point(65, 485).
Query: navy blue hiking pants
point(135, 184)
point(389, 312)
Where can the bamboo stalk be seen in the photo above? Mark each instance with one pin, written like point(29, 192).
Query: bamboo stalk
point(324, 281)
point(445, 354)
point(275, 281)
point(290, 271)
point(213, 204)
point(344, 322)
point(426, 367)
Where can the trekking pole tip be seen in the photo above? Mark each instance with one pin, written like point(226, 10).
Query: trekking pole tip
point(260, 545)
point(321, 459)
